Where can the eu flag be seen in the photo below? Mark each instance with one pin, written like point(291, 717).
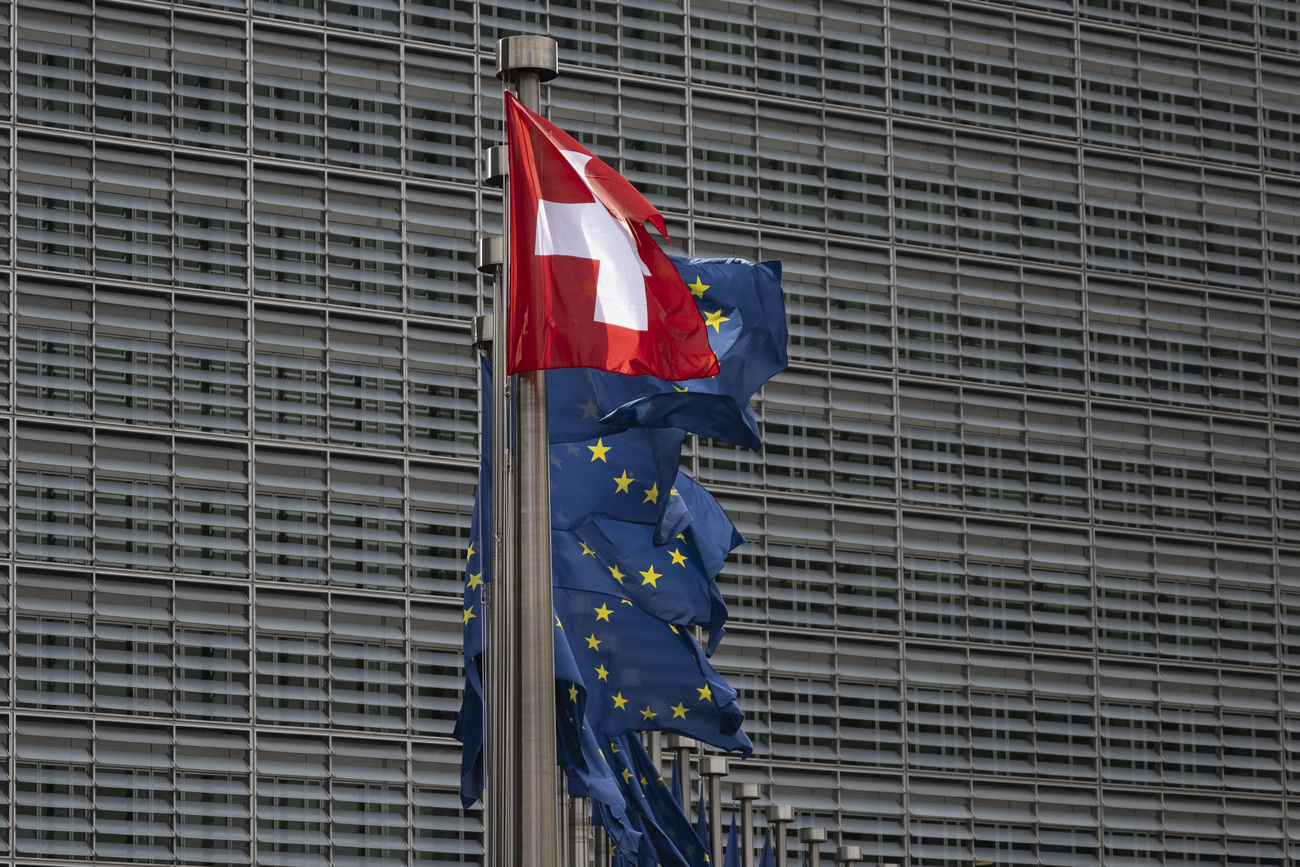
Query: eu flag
point(673, 582)
point(578, 748)
point(731, 857)
point(641, 672)
point(478, 571)
point(744, 312)
point(668, 838)
point(626, 475)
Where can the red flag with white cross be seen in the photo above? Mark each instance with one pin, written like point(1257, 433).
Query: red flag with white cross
point(589, 286)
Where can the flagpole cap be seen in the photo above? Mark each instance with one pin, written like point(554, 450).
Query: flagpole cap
point(815, 834)
point(713, 766)
point(780, 813)
point(744, 791)
point(518, 54)
point(491, 253)
point(848, 854)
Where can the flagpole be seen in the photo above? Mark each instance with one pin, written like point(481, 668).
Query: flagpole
point(746, 794)
point(530, 803)
point(778, 816)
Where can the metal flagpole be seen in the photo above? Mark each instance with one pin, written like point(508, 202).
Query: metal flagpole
point(713, 769)
point(497, 833)
point(522, 802)
point(813, 837)
point(682, 745)
point(778, 816)
point(580, 831)
point(746, 794)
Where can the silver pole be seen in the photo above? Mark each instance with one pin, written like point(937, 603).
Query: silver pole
point(655, 750)
point(777, 816)
point(600, 846)
point(530, 714)
point(562, 805)
point(813, 838)
point(682, 746)
point(713, 769)
point(498, 830)
point(579, 831)
point(746, 794)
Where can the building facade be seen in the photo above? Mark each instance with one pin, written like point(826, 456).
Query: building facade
point(1022, 582)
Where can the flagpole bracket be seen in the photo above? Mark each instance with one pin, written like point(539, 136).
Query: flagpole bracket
point(481, 333)
point(496, 165)
point(527, 53)
point(491, 254)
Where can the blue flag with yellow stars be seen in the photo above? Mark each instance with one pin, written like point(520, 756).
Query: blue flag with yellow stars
point(626, 475)
point(667, 836)
point(673, 583)
point(731, 857)
point(478, 571)
point(665, 812)
point(744, 313)
point(578, 748)
point(640, 672)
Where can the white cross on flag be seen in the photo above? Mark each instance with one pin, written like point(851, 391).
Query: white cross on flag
point(589, 287)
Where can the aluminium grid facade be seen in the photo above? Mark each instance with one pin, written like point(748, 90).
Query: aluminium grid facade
point(1023, 583)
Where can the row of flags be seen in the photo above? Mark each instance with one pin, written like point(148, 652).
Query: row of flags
point(644, 349)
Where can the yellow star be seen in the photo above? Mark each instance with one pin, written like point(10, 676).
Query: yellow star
point(476, 581)
point(593, 643)
point(602, 673)
point(469, 612)
point(586, 550)
point(643, 782)
point(716, 320)
point(557, 621)
point(651, 494)
point(648, 714)
point(627, 775)
point(674, 629)
point(626, 601)
point(651, 577)
point(598, 451)
point(620, 703)
point(470, 552)
point(682, 389)
point(706, 694)
point(697, 288)
point(603, 612)
point(623, 481)
point(679, 710)
point(679, 559)
point(618, 576)
point(573, 692)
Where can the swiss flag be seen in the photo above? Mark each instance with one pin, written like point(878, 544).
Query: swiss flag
point(589, 287)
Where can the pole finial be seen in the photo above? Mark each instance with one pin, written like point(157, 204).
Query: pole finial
point(519, 54)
